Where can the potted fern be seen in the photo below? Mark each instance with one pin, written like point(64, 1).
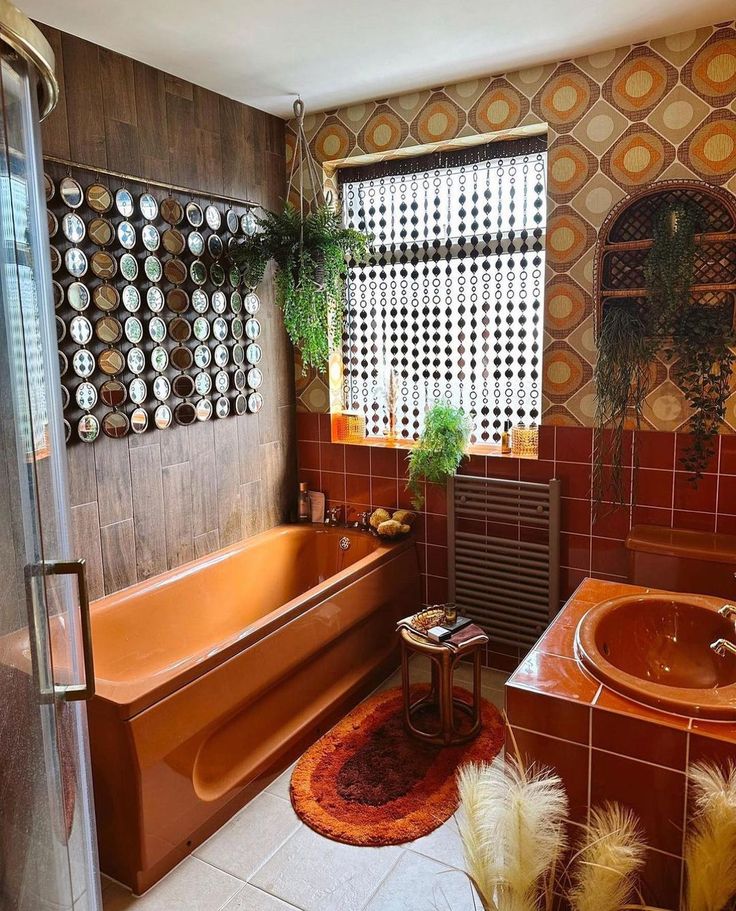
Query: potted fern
point(439, 451)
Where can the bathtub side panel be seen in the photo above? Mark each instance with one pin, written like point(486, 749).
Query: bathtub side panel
point(199, 752)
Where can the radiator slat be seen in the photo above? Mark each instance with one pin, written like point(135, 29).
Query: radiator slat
point(509, 586)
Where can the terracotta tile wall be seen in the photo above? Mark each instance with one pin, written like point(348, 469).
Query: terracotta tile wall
point(362, 477)
point(605, 747)
point(617, 121)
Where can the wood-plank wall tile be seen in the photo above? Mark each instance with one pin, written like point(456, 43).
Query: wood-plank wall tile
point(148, 510)
point(165, 497)
point(114, 493)
point(177, 486)
point(55, 128)
point(86, 546)
point(118, 555)
point(85, 107)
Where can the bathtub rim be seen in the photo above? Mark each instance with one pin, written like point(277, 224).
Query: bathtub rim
point(131, 697)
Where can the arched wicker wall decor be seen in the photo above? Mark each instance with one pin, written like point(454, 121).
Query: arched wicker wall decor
point(625, 239)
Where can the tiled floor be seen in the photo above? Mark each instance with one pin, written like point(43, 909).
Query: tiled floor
point(265, 859)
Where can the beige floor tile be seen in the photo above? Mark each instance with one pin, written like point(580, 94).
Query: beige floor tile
point(444, 845)
point(280, 785)
point(252, 899)
point(316, 874)
point(246, 842)
point(417, 883)
point(192, 886)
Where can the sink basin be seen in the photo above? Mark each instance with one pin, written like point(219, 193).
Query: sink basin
point(656, 649)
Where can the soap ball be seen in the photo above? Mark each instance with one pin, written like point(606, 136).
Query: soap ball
point(380, 515)
point(392, 529)
point(405, 517)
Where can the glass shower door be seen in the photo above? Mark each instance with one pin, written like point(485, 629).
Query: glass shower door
point(47, 848)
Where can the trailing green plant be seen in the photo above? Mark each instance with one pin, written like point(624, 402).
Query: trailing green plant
point(622, 377)
point(696, 336)
point(310, 252)
point(439, 450)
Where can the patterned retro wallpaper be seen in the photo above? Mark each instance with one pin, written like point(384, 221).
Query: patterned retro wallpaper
point(617, 120)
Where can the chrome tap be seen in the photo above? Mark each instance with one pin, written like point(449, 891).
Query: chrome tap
point(723, 647)
point(334, 516)
point(362, 523)
point(728, 610)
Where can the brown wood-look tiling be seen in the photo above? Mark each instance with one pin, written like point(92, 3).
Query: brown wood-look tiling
point(146, 504)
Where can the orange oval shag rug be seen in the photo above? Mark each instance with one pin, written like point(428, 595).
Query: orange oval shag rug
point(367, 782)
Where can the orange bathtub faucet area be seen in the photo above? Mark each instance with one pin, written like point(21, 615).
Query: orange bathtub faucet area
point(215, 675)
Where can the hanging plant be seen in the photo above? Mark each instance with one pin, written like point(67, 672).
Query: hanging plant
point(439, 451)
point(309, 246)
point(622, 377)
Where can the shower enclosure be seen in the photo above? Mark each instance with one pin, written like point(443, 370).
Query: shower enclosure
point(47, 847)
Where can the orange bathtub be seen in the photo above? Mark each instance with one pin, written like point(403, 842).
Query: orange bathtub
point(212, 677)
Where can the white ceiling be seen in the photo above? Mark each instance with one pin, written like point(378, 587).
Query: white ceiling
point(337, 53)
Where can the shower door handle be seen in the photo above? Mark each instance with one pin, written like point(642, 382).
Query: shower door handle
point(71, 692)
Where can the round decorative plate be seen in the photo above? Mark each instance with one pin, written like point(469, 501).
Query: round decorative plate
point(137, 391)
point(171, 210)
point(181, 357)
point(195, 217)
point(83, 364)
point(161, 388)
point(217, 275)
point(200, 301)
point(215, 246)
point(150, 237)
point(252, 329)
point(219, 329)
point(255, 402)
point(157, 329)
point(78, 296)
point(115, 424)
point(136, 361)
point(221, 355)
point(153, 268)
point(73, 228)
point(86, 396)
point(222, 407)
point(201, 329)
point(177, 300)
point(148, 206)
point(180, 329)
point(80, 330)
point(71, 192)
point(198, 272)
point(238, 355)
point(203, 383)
point(203, 410)
point(241, 404)
point(99, 198)
point(76, 262)
point(252, 303)
point(255, 378)
point(233, 276)
point(232, 221)
point(236, 302)
point(88, 428)
point(126, 235)
point(219, 302)
point(159, 359)
point(101, 231)
point(124, 202)
point(111, 362)
point(173, 241)
point(248, 224)
point(155, 299)
point(113, 393)
point(195, 242)
point(162, 417)
point(239, 379)
point(202, 356)
point(184, 413)
point(55, 259)
point(213, 217)
point(106, 297)
point(175, 271)
point(133, 330)
point(237, 328)
point(131, 298)
point(108, 330)
point(222, 381)
point(129, 267)
point(103, 264)
point(253, 353)
point(139, 420)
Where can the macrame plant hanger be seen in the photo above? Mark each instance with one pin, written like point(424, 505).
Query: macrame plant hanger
point(304, 158)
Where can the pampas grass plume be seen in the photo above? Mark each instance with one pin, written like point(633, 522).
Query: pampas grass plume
point(710, 845)
point(608, 860)
point(513, 832)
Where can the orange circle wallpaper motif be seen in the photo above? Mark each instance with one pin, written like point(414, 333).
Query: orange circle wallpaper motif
point(616, 121)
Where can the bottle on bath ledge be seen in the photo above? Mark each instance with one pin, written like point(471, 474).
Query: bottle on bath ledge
point(506, 437)
point(304, 510)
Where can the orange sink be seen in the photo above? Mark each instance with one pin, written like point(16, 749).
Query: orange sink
point(656, 649)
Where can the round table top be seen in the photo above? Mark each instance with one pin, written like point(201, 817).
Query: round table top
point(422, 644)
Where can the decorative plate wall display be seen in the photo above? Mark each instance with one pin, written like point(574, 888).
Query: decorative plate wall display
point(154, 327)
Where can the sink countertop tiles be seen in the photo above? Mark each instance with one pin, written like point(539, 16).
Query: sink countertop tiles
point(607, 747)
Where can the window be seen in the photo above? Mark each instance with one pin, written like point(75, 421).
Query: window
point(450, 301)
